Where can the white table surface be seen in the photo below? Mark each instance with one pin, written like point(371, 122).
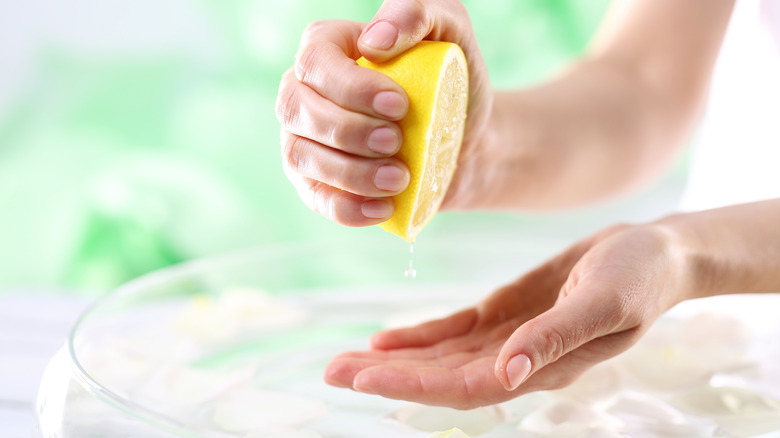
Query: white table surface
point(33, 326)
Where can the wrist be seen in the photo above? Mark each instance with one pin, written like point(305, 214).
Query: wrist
point(522, 166)
point(708, 263)
point(688, 259)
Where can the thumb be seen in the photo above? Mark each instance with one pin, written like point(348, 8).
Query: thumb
point(401, 24)
point(571, 323)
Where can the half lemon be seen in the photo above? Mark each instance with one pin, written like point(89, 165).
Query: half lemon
point(434, 75)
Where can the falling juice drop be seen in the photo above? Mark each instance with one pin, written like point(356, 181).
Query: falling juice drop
point(410, 271)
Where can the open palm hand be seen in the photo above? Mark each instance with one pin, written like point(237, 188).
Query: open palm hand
point(586, 305)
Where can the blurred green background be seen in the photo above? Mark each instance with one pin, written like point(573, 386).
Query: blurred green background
point(138, 134)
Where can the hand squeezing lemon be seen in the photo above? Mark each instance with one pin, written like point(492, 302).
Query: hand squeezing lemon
point(435, 77)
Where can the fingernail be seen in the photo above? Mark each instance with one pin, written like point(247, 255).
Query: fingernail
point(380, 36)
point(517, 370)
point(377, 209)
point(390, 178)
point(383, 141)
point(389, 104)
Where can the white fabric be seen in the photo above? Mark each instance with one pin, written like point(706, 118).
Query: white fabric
point(737, 158)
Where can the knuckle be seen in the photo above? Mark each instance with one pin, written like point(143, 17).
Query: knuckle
point(321, 201)
point(357, 88)
point(364, 88)
point(555, 343)
point(414, 9)
point(293, 152)
point(331, 203)
point(306, 63)
point(339, 136)
point(287, 105)
point(416, 12)
point(458, 8)
point(314, 28)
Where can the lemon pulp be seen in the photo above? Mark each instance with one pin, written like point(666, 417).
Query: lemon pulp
point(434, 75)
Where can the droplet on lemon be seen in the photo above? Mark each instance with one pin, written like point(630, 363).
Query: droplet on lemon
point(434, 75)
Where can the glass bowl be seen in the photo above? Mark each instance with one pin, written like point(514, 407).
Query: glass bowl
point(235, 346)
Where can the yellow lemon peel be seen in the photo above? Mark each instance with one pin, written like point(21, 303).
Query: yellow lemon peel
point(434, 75)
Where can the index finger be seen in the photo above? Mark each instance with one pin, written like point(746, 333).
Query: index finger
point(326, 63)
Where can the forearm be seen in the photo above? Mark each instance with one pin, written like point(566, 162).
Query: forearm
point(734, 249)
point(593, 133)
point(613, 120)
